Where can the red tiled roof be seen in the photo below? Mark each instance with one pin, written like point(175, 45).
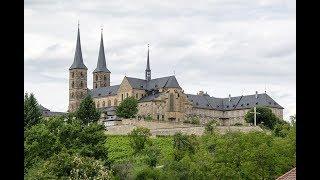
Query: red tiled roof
point(290, 175)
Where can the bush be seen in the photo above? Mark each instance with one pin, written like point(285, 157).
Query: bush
point(153, 154)
point(32, 112)
point(183, 144)
point(195, 120)
point(122, 170)
point(238, 124)
point(128, 108)
point(210, 126)
point(148, 118)
point(138, 138)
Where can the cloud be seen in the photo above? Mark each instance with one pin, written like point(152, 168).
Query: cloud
point(231, 46)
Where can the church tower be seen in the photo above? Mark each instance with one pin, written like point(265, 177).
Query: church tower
point(148, 70)
point(101, 75)
point(77, 78)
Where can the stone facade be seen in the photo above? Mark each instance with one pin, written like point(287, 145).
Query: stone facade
point(77, 87)
point(101, 79)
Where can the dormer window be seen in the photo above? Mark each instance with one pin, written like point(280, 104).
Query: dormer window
point(241, 104)
point(197, 103)
point(233, 105)
point(256, 103)
point(141, 86)
point(99, 94)
point(227, 106)
point(247, 104)
point(156, 85)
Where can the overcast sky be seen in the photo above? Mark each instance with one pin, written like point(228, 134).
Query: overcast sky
point(220, 46)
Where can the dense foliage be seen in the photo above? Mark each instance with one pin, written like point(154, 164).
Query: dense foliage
point(234, 155)
point(32, 112)
point(265, 116)
point(87, 111)
point(65, 147)
point(128, 108)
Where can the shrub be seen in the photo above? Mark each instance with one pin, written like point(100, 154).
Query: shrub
point(183, 144)
point(87, 111)
point(32, 112)
point(148, 118)
point(210, 126)
point(195, 120)
point(153, 154)
point(138, 138)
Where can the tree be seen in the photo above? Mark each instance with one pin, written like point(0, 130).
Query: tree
point(266, 116)
point(138, 138)
point(87, 111)
point(32, 112)
point(128, 108)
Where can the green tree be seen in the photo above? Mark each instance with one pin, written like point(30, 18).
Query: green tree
point(138, 138)
point(87, 111)
point(128, 108)
point(266, 116)
point(32, 112)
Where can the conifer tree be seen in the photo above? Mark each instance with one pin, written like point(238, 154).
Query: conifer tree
point(87, 111)
point(32, 112)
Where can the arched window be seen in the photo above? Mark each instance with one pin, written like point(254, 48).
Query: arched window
point(109, 103)
point(95, 85)
point(96, 77)
point(103, 104)
point(81, 74)
point(81, 84)
point(105, 77)
point(115, 102)
point(72, 84)
point(121, 97)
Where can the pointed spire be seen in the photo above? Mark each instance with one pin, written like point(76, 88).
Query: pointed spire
point(101, 65)
point(148, 70)
point(78, 60)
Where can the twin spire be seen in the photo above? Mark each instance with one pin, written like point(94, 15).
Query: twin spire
point(101, 65)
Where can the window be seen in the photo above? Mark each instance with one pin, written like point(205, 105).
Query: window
point(81, 84)
point(81, 74)
point(115, 102)
point(103, 104)
point(121, 97)
point(95, 85)
point(162, 117)
point(127, 95)
point(72, 84)
point(247, 104)
point(171, 102)
point(105, 77)
point(158, 117)
point(178, 95)
point(109, 103)
point(256, 103)
point(72, 75)
point(96, 77)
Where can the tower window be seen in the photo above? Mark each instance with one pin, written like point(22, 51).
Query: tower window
point(96, 77)
point(81, 74)
point(81, 84)
point(105, 77)
point(121, 97)
point(72, 84)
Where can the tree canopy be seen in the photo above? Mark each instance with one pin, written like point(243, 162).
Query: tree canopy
point(32, 112)
point(264, 115)
point(128, 108)
point(87, 111)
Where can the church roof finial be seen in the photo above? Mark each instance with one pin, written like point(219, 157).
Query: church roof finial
point(101, 65)
point(148, 70)
point(78, 60)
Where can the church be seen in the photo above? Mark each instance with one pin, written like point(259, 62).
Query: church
point(161, 98)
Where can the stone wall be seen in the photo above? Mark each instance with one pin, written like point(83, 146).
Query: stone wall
point(101, 79)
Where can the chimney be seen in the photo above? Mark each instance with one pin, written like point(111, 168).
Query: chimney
point(256, 94)
point(229, 97)
point(200, 93)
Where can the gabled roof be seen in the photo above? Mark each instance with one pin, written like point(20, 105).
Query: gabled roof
point(104, 91)
point(78, 61)
point(101, 65)
point(238, 102)
point(163, 82)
